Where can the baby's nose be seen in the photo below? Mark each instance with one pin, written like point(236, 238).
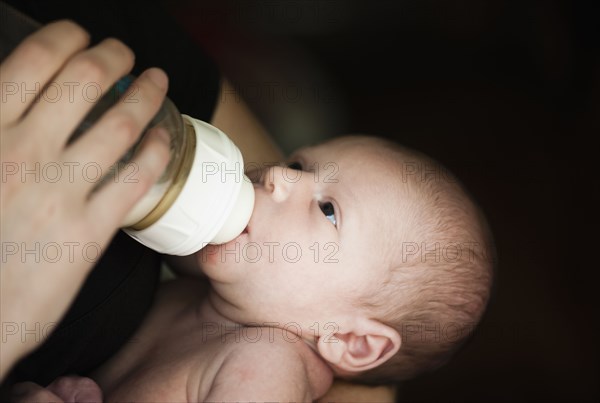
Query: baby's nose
point(275, 181)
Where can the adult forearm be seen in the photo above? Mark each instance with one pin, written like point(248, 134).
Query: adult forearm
point(235, 118)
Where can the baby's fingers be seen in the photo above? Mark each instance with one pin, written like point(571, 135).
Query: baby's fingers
point(27, 70)
point(76, 389)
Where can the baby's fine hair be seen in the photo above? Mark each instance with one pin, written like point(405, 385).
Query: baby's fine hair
point(441, 276)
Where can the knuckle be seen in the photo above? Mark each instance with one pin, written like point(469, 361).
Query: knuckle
point(118, 47)
point(74, 30)
point(126, 126)
point(151, 97)
point(143, 182)
point(44, 49)
point(37, 51)
point(90, 68)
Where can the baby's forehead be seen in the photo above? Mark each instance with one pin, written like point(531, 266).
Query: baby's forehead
point(352, 142)
point(363, 151)
point(372, 170)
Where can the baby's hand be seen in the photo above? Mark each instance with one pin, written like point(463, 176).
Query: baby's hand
point(64, 389)
point(76, 389)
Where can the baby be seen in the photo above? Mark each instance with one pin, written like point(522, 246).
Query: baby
point(363, 260)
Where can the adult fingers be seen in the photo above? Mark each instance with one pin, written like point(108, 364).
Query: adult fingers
point(109, 205)
point(34, 62)
point(121, 126)
point(74, 91)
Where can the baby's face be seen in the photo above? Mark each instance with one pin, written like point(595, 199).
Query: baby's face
point(319, 238)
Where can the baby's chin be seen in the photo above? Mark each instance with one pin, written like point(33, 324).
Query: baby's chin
point(222, 262)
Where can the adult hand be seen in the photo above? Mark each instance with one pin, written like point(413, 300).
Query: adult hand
point(54, 225)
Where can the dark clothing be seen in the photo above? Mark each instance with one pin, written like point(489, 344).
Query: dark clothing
point(120, 289)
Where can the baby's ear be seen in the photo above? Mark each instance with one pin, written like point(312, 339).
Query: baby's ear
point(369, 344)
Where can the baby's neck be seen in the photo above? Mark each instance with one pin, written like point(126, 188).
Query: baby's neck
point(211, 309)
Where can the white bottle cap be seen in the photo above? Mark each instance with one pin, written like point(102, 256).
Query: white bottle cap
point(215, 203)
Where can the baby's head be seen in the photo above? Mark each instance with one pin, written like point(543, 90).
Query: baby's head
point(370, 252)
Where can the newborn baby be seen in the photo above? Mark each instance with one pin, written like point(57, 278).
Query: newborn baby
point(363, 260)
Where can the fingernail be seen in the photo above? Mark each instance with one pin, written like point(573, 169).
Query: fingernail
point(158, 77)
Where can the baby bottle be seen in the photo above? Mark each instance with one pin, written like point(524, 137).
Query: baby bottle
point(201, 197)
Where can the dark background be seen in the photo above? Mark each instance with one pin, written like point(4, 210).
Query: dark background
point(507, 95)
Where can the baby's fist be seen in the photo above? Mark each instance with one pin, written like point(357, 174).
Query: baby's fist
point(76, 389)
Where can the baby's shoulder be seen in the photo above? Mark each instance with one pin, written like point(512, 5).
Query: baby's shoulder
point(268, 364)
point(267, 345)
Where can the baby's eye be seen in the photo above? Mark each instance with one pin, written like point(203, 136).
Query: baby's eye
point(329, 211)
point(295, 165)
